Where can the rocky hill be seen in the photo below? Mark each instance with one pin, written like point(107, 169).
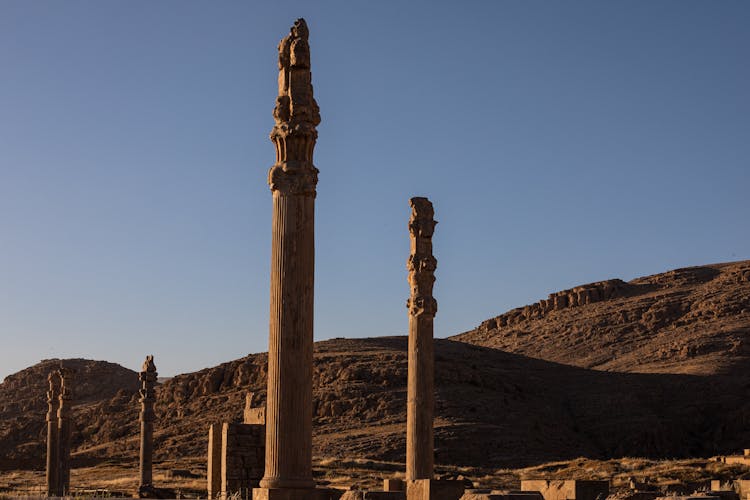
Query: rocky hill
point(23, 402)
point(658, 374)
point(494, 409)
point(694, 320)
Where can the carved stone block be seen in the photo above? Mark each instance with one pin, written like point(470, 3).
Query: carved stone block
point(242, 458)
point(296, 494)
point(568, 489)
point(434, 489)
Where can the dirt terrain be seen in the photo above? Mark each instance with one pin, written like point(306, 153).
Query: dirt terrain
point(650, 368)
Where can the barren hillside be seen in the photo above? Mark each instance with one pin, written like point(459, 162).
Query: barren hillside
point(494, 409)
point(23, 402)
point(659, 372)
point(694, 320)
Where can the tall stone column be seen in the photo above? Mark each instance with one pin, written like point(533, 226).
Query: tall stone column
point(53, 443)
point(64, 428)
point(293, 180)
point(422, 308)
point(148, 378)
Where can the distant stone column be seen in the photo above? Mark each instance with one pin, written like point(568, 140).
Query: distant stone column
point(422, 308)
point(53, 442)
point(148, 378)
point(293, 180)
point(64, 429)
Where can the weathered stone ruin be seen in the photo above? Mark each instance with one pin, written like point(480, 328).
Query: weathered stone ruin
point(293, 180)
point(741, 487)
point(434, 489)
point(53, 446)
point(485, 494)
point(567, 489)
point(148, 377)
point(574, 297)
point(213, 469)
point(242, 458)
point(59, 431)
point(65, 428)
point(743, 459)
point(696, 496)
point(251, 414)
point(420, 483)
point(236, 454)
point(422, 309)
point(394, 484)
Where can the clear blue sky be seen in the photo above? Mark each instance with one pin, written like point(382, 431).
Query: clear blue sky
point(561, 143)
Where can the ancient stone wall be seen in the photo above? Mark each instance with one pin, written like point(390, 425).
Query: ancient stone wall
point(251, 414)
point(242, 458)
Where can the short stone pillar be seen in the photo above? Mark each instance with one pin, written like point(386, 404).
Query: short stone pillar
point(148, 377)
point(213, 472)
point(422, 309)
point(53, 442)
point(64, 428)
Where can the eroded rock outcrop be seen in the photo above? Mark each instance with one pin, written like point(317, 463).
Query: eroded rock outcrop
point(574, 297)
point(688, 320)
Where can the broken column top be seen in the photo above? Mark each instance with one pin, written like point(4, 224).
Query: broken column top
point(148, 365)
point(66, 381)
point(422, 223)
point(148, 376)
point(296, 115)
point(421, 263)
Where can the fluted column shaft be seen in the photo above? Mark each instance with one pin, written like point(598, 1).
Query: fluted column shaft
point(290, 350)
point(422, 309)
point(293, 180)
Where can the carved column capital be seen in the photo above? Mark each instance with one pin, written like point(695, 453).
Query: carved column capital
point(296, 115)
point(293, 178)
point(148, 378)
point(421, 264)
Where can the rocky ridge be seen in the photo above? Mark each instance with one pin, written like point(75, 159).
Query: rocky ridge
point(493, 408)
point(693, 320)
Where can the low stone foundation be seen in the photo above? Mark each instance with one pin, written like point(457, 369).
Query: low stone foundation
point(296, 494)
point(434, 489)
point(480, 494)
point(561, 489)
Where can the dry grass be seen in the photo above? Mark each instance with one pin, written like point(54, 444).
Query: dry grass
point(121, 479)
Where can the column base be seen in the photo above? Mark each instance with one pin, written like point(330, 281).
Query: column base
point(434, 489)
point(295, 494)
